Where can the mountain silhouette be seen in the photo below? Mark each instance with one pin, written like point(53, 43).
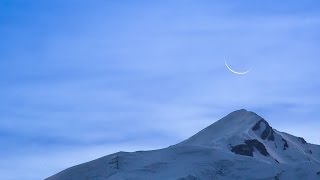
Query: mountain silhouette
point(242, 145)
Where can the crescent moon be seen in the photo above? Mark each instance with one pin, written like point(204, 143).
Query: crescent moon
point(233, 71)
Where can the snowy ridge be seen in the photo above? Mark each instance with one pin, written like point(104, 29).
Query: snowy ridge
point(234, 127)
point(241, 145)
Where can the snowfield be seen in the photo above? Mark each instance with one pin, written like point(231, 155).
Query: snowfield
point(241, 145)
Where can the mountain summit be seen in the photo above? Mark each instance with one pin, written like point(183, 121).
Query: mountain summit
point(246, 133)
point(242, 145)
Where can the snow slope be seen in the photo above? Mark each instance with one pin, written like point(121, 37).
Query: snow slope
point(241, 145)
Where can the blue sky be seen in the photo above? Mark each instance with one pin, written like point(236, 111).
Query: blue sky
point(82, 79)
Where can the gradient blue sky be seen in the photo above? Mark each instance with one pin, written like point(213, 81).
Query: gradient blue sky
point(82, 79)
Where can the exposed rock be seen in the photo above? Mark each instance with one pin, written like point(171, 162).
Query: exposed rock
point(285, 146)
point(302, 140)
point(247, 149)
point(267, 132)
point(243, 149)
point(257, 125)
point(257, 144)
point(115, 162)
point(271, 137)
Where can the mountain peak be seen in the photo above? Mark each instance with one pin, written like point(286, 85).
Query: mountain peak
point(242, 115)
point(246, 133)
point(240, 111)
point(236, 123)
point(242, 144)
point(243, 112)
point(261, 126)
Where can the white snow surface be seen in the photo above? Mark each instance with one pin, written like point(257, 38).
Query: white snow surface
point(212, 153)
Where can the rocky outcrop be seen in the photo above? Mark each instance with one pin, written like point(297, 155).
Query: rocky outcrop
point(247, 149)
point(302, 140)
point(285, 145)
point(267, 133)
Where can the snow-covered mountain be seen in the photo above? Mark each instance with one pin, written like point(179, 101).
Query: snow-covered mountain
point(241, 145)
